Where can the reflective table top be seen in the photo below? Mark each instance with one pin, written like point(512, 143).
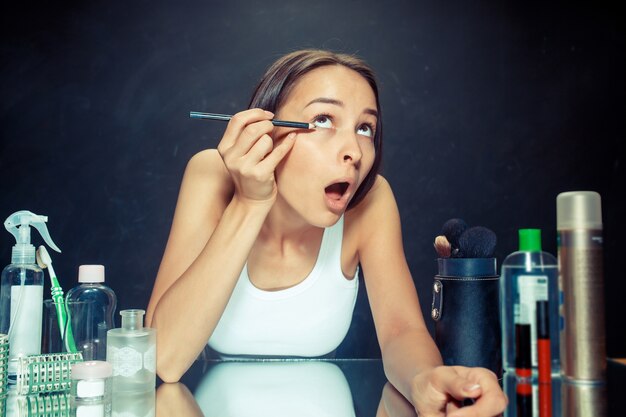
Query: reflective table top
point(345, 387)
point(315, 387)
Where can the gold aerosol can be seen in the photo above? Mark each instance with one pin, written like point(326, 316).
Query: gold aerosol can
point(581, 286)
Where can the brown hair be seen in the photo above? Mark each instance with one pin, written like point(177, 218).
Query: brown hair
point(282, 76)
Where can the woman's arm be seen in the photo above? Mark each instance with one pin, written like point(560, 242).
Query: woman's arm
point(176, 400)
point(203, 259)
point(394, 404)
point(411, 359)
point(223, 202)
point(405, 342)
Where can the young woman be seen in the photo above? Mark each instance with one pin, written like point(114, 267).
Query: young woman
point(270, 230)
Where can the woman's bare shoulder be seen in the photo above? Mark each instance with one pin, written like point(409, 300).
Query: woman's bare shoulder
point(206, 169)
point(377, 208)
point(380, 197)
point(206, 162)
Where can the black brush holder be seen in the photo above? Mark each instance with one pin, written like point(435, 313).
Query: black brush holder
point(466, 310)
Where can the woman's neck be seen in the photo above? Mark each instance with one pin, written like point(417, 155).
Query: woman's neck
point(283, 225)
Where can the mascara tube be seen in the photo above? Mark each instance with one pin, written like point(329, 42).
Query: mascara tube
point(523, 364)
point(581, 285)
point(543, 359)
point(523, 371)
point(524, 398)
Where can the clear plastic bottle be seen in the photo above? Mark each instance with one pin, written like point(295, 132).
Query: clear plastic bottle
point(131, 350)
point(527, 276)
point(92, 289)
point(21, 289)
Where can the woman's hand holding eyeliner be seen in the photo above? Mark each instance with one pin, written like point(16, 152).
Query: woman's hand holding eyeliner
point(251, 154)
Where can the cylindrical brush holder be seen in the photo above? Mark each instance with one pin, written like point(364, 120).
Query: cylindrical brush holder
point(466, 310)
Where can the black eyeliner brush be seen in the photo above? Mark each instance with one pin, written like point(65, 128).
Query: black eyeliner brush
point(227, 117)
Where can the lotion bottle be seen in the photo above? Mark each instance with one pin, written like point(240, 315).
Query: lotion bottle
point(131, 350)
point(21, 291)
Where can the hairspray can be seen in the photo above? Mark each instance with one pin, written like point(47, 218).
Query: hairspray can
point(579, 239)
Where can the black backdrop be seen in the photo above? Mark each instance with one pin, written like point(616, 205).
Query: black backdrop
point(490, 108)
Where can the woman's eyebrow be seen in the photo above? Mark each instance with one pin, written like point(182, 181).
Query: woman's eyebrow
point(325, 100)
point(373, 112)
point(339, 103)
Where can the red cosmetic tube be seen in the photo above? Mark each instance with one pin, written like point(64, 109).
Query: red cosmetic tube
point(543, 360)
point(524, 398)
point(523, 365)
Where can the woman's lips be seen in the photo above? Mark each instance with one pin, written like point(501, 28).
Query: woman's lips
point(337, 190)
point(337, 196)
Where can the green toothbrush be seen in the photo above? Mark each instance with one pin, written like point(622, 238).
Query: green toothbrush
point(44, 261)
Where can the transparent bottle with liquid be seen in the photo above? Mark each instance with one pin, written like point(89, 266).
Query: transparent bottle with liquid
point(104, 303)
point(527, 276)
point(21, 289)
point(131, 350)
point(22, 292)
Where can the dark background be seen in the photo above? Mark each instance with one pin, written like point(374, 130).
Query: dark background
point(490, 109)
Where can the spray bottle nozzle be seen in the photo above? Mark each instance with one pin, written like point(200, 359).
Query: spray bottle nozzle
point(18, 224)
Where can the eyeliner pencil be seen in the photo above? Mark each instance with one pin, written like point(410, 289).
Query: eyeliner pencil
point(227, 117)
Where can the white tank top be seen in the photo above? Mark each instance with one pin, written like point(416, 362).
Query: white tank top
point(309, 319)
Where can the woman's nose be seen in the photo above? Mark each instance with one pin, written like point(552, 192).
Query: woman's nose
point(350, 150)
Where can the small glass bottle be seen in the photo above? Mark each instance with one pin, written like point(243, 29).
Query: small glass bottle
point(528, 275)
point(131, 350)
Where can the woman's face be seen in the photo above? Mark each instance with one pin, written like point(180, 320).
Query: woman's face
point(326, 165)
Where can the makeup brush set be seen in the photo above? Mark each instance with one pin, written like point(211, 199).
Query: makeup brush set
point(457, 240)
point(466, 291)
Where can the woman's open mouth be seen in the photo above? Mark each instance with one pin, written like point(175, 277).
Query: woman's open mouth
point(337, 196)
point(337, 190)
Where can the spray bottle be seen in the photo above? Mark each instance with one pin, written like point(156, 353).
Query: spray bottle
point(21, 292)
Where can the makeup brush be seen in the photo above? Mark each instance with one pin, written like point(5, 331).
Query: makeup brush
point(477, 242)
point(442, 247)
point(452, 230)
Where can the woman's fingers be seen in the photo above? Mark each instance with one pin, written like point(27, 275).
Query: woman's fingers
point(238, 123)
point(482, 386)
point(450, 381)
point(279, 151)
point(448, 387)
point(254, 136)
point(263, 158)
point(251, 155)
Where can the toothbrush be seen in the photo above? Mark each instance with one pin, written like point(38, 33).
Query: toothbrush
point(44, 261)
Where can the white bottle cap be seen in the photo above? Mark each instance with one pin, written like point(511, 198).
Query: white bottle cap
point(578, 210)
point(91, 273)
point(91, 370)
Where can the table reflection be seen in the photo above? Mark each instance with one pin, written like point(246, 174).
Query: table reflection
point(60, 404)
point(568, 399)
point(336, 387)
point(298, 388)
point(138, 404)
point(286, 388)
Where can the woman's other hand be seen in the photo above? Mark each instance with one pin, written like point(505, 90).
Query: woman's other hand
point(442, 390)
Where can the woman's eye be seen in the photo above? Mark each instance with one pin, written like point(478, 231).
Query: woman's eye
point(323, 121)
point(366, 130)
